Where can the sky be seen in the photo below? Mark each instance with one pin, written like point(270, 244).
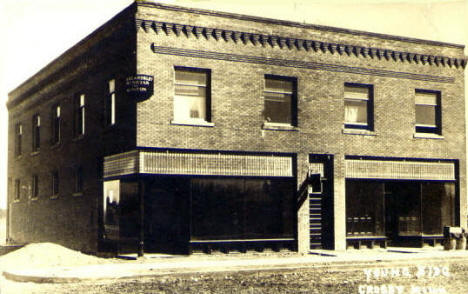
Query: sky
point(34, 32)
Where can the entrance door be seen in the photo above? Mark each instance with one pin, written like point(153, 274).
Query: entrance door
point(402, 212)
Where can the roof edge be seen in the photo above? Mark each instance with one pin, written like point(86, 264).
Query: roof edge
point(294, 24)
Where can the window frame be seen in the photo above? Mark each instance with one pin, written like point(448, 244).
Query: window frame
point(293, 103)
point(79, 115)
point(18, 139)
point(56, 124)
point(429, 129)
point(17, 191)
point(369, 107)
point(208, 113)
point(34, 186)
point(36, 133)
point(55, 183)
point(110, 114)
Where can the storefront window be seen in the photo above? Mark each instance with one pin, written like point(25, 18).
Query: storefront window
point(111, 209)
point(364, 208)
point(227, 209)
point(438, 207)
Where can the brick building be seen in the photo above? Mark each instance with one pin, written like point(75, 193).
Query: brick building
point(181, 130)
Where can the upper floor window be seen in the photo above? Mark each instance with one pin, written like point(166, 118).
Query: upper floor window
point(192, 95)
point(78, 180)
point(55, 183)
point(79, 115)
point(35, 187)
point(358, 106)
point(36, 133)
point(280, 100)
point(428, 112)
point(18, 139)
point(110, 104)
point(17, 190)
point(56, 124)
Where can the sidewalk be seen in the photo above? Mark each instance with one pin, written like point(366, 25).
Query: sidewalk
point(156, 265)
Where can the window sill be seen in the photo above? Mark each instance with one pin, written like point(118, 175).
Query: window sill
point(77, 194)
point(196, 123)
point(56, 145)
point(427, 136)
point(35, 153)
point(361, 132)
point(18, 157)
point(34, 199)
point(278, 127)
point(16, 201)
point(53, 197)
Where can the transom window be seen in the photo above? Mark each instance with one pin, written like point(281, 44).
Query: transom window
point(427, 110)
point(279, 100)
point(192, 95)
point(358, 106)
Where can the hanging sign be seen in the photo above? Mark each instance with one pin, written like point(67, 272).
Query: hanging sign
point(139, 87)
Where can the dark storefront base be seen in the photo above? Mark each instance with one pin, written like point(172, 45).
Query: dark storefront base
point(398, 213)
point(183, 215)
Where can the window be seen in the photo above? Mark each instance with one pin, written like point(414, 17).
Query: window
point(110, 104)
point(280, 100)
point(55, 183)
point(358, 106)
point(56, 124)
point(17, 190)
point(79, 115)
point(35, 187)
point(78, 180)
point(192, 95)
point(18, 139)
point(428, 113)
point(36, 133)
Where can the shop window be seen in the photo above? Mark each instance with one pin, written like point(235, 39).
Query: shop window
point(438, 207)
point(36, 133)
point(192, 95)
point(79, 115)
point(364, 208)
point(56, 124)
point(428, 112)
point(358, 104)
point(279, 96)
point(18, 139)
point(110, 104)
point(111, 207)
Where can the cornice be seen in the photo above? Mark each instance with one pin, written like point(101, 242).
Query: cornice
point(237, 16)
point(291, 43)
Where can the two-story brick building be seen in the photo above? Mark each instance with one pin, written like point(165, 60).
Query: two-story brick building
point(177, 129)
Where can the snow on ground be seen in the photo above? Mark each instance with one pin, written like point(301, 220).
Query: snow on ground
point(45, 255)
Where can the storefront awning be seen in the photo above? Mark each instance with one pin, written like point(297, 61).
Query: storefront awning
point(162, 162)
point(400, 170)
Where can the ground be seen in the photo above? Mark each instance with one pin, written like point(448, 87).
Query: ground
point(420, 277)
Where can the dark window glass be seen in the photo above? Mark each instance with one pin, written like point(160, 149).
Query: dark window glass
point(79, 180)
point(17, 189)
point(428, 113)
point(36, 132)
point(35, 186)
point(358, 106)
point(438, 207)
point(279, 100)
point(55, 183)
point(224, 209)
point(364, 208)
